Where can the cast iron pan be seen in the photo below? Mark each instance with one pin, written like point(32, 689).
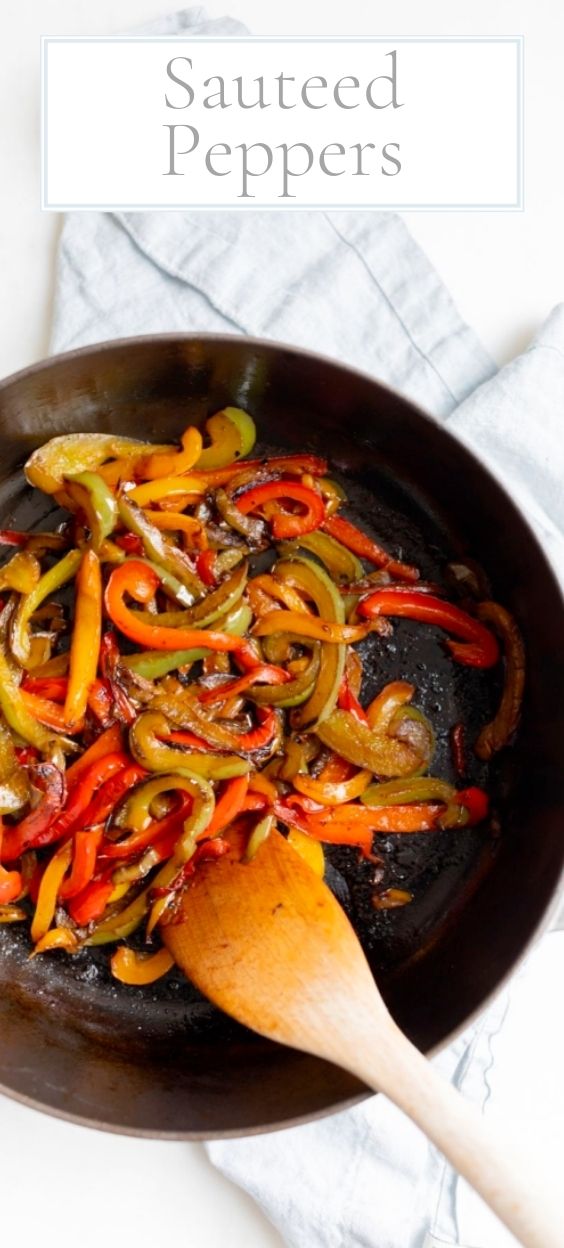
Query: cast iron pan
point(162, 1061)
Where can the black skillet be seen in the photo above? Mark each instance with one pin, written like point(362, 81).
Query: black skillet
point(161, 1061)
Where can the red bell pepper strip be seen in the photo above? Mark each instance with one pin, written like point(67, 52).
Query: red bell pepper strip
point(11, 537)
point(360, 544)
point(34, 833)
point(205, 563)
point(475, 801)
point(153, 835)
point(265, 673)
point(141, 582)
point(206, 851)
point(26, 754)
point(284, 524)
point(130, 543)
point(104, 802)
point(247, 742)
point(91, 902)
point(348, 701)
point(52, 687)
point(479, 647)
point(86, 844)
point(11, 883)
point(30, 831)
point(101, 702)
point(311, 465)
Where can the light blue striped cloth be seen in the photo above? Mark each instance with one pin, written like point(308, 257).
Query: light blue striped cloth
point(357, 287)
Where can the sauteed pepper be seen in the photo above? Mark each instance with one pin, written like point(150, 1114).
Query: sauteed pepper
point(191, 661)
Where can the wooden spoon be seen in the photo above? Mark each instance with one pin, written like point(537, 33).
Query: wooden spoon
point(269, 944)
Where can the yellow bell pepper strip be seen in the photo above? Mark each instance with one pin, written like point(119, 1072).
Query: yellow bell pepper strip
point(335, 794)
point(140, 968)
point(340, 562)
point(495, 735)
point(147, 738)
point(162, 465)
point(179, 491)
point(48, 889)
point(177, 522)
point(357, 743)
point(173, 560)
point(86, 636)
point(311, 851)
point(366, 548)
point(57, 938)
point(398, 792)
point(285, 524)
point(284, 593)
point(21, 573)
point(140, 582)
point(89, 492)
point(383, 707)
point(14, 783)
point(72, 453)
point(308, 626)
point(48, 584)
point(333, 495)
point(313, 582)
point(232, 434)
point(478, 648)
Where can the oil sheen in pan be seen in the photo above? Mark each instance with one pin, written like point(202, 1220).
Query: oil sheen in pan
point(438, 869)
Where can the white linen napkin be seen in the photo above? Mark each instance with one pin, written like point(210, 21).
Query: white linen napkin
point(356, 287)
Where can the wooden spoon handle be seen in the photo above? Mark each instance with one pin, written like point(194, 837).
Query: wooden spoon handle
point(503, 1176)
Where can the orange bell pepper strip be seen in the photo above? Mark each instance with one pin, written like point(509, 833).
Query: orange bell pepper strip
point(285, 524)
point(383, 707)
point(478, 648)
point(177, 521)
point(333, 794)
point(86, 636)
point(57, 938)
point(152, 467)
point(109, 742)
point(366, 548)
point(228, 805)
point(141, 582)
point(308, 626)
point(86, 845)
point(140, 968)
point(285, 594)
point(259, 783)
point(48, 891)
point(52, 714)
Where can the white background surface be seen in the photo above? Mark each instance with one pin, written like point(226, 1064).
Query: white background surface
point(505, 271)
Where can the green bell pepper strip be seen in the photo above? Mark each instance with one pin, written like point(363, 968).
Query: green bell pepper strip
point(147, 742)
point(15, 711)
point(58, 575)
point(357, 743)
point(317, 584)
point(340, 562)
point(98, 503)
point(418, 789)
point(295, 692)
point(209, 609)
